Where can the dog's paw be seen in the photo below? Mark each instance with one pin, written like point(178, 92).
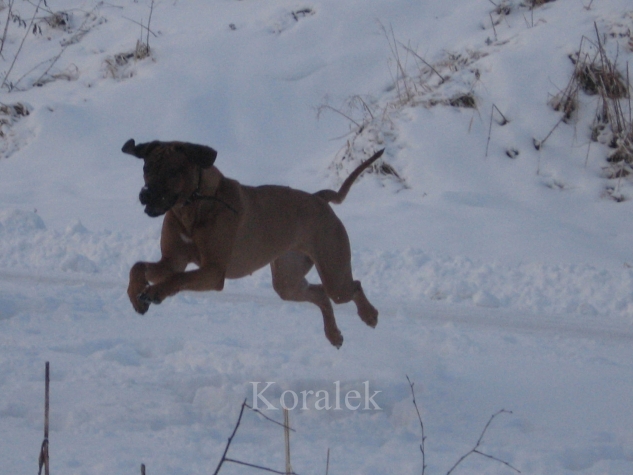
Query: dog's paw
point(335, 337)
point(148, 296)
point(369, 315)
point(140, 306)
point(372, 319)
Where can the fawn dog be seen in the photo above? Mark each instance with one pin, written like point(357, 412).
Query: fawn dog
point(230, 230)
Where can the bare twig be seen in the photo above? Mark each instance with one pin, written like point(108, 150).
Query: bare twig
point(338, 111)
point(43, 459)
point(327, 462)
point(259, 467)
point(475, 449)
point(628, 93)
point(287, 441)
point(503, 122)
point(421, 425)
point(230, 440)
point(268, 418)
point(426, 63)
point(489, 131)
point(504, 119)
point(149, 21)
point(6, 26)
point(539, 143)
point(142, 469)
point(402, 72)
point(143, 27)
point(65, 44)
point(358, 98)
point(228, 444)
point(15, 58)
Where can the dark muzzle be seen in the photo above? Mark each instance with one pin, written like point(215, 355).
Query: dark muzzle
point(155, 201)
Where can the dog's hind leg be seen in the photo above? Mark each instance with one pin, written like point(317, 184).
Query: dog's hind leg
point(332, 257)
point(289, 282)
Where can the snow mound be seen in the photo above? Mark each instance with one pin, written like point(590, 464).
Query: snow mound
point(18, 221)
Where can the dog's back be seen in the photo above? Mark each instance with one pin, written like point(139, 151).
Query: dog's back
point(275, 219)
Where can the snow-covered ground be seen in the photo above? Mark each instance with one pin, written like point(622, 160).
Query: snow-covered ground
point(503, 274)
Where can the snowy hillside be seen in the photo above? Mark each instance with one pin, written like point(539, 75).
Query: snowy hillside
point(494, 237)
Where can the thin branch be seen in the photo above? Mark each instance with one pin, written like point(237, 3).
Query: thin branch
point(230, 440)
point(287, 441)
point(628, 93)
point(426, 63)
point(15, 58)
point(228, 444)
point(333, 109)
point(396, 55)
point(489, 131)
point(268, 418)
point(80, 31)
point(475, 449)
point(6, 26)
point(43, 459)
point(45, 7)
point(421, 425)
point(539, 143)
point(143, 27)
point(365, 106)
point(259, 467)
point(149, 21)
point(504, 122)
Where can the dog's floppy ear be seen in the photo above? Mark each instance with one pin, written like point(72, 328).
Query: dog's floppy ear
point(201, 155)
point(140, 150)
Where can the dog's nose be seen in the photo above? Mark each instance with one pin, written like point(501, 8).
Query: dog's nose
point(144, 195)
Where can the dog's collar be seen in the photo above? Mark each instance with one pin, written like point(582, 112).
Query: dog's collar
point(196, 196)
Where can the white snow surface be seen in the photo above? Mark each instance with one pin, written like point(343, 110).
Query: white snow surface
point(502, 283)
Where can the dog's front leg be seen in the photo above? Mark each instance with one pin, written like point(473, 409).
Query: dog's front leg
point(206, 278)
point(141, 274)
point(211, 247)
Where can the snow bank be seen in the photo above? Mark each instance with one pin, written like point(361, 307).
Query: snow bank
point(27, 245)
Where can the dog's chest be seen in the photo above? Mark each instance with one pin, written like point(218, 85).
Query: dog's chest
point(186, 239)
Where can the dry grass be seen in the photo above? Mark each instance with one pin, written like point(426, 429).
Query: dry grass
point(415, 82)
point(119, 66)
point(596, 74)
point(10, 114)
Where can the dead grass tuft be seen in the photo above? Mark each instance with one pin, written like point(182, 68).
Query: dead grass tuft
point(58, 20)
point(596, 74)
point(466, 101)
point(538, 3)
point(448, 82)
point(10, 114)
point(119, 66)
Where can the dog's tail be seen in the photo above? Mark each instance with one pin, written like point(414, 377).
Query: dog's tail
point(337, 197)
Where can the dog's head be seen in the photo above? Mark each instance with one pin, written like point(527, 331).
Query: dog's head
point(171, 172)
